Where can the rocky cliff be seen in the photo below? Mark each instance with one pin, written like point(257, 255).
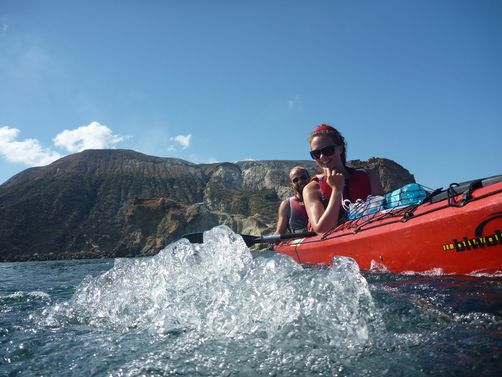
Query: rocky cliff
point(116, 203)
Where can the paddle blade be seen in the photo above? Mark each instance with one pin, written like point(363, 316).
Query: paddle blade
point(250, 240)
point(197, 238)
point(193, 237)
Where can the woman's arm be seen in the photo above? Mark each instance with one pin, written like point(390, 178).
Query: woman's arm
point(323, 219)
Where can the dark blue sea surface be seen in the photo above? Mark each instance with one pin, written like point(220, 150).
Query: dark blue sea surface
point(216, 309)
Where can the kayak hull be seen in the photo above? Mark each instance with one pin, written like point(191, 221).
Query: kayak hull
point(444, 236)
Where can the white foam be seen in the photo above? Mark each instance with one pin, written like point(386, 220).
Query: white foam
point(216, 290)
point(32, 294)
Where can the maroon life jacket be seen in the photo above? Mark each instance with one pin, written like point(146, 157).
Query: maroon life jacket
point(357, 187)
point(298, 218)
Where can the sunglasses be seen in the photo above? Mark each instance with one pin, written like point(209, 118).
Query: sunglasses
point(300, 178)
point(326, 151)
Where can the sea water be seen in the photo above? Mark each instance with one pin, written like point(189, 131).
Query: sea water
point(216, 309)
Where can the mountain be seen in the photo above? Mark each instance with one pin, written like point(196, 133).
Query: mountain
point(121, 203)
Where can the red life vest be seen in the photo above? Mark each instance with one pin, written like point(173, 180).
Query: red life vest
point(298, 218)
point(357, 187)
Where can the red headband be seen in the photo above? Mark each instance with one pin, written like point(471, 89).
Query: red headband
point(325, 127)
point(330, 130)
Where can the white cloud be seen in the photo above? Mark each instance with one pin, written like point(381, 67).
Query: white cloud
point(31, 153)
point(28, 152)
point(92, 136)
point(182, 140)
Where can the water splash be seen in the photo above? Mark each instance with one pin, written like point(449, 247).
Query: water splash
point(215, 303)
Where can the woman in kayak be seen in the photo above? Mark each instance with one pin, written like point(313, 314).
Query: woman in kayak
point(323, 196)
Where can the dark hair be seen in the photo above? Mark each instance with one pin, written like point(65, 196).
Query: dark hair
point(336, 136)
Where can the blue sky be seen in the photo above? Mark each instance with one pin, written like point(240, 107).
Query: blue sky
point(418, 82)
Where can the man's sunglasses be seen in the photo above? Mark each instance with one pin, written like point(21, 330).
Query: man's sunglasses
point(300, 178)
point(326, 151)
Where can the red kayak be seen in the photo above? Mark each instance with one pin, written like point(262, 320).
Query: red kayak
point(453, 231)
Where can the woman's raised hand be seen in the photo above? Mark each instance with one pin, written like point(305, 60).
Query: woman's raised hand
point(334, 179)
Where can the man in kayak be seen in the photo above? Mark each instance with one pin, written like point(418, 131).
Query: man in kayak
point(323, 196)
point(291, 214)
